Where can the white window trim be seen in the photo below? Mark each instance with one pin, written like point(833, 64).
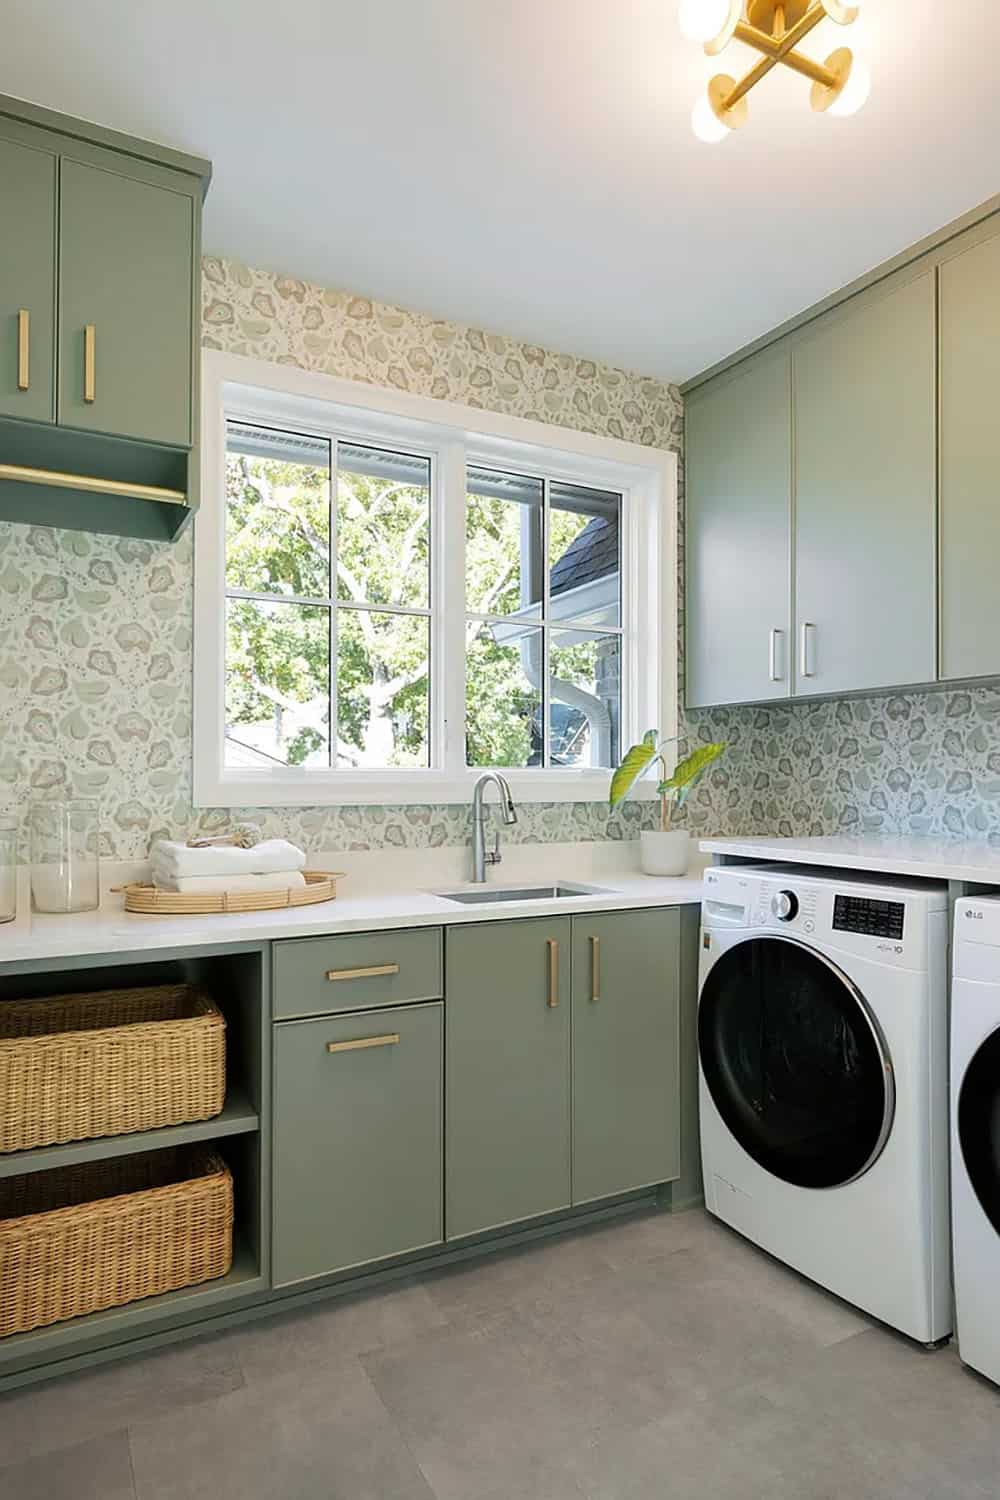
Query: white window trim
point(455, 434)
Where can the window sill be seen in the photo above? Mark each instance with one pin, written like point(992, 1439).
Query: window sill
point(392, 788)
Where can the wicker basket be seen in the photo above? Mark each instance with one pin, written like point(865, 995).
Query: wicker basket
point(100, 1234)
point(77, 1066)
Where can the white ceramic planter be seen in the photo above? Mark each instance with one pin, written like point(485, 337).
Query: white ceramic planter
point(665, 853)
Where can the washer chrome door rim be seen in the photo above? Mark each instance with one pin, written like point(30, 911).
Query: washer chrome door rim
point(872, 1030)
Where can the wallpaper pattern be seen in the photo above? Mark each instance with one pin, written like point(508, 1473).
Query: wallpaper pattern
point(95, 632)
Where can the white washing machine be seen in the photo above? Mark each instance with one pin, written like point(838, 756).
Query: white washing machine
point(823, 1053)
point(975, 1134)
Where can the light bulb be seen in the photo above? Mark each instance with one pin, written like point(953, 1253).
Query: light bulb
point(705, 122)
point(855, 91)
point(840, 12)
point(703, 20)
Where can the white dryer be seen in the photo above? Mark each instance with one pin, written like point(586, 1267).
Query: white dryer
point(975, 1136)
point(823, 1054)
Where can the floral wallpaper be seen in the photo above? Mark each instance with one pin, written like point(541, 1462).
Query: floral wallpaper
point(919, 762)
point(95, 634)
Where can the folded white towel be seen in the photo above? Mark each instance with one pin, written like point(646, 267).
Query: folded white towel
point(281, 880)
point(173, 860)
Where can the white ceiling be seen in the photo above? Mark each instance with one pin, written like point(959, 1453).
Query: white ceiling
point(528, 165)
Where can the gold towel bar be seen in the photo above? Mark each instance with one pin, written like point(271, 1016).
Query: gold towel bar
point(95, 486)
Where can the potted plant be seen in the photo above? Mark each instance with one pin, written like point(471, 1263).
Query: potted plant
point(666, 850)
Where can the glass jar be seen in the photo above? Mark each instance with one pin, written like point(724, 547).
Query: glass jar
point(8, 869)
point(64, 855)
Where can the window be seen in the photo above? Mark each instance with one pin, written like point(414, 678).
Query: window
point(328, 602)
point(543, 603)
point(391, 598)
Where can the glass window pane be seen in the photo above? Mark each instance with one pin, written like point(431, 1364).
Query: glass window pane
point(585, 687)
point(585, 554)
point(503, 544)
point(503, 714)
point(277, 511)
point(277, 684)
point(383, 526)
point(383, 697)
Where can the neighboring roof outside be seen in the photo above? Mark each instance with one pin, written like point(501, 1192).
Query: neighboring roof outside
point(590, 556)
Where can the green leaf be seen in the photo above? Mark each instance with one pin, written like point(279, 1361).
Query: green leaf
point(638, 759)
point(690, 770)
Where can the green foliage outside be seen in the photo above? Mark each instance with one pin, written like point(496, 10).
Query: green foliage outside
point(277, 689)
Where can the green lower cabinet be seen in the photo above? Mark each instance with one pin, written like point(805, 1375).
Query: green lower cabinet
point(626, 1045)
point(358, 1142)
point(508, 1076)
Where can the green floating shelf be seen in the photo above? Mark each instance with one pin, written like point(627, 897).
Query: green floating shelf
point(237, 1118)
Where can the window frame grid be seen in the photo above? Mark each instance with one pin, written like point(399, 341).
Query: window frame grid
point(546, 625)
point(454, 438)
point(334, 604)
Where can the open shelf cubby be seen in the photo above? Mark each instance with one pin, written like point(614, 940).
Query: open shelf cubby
point(237, 979)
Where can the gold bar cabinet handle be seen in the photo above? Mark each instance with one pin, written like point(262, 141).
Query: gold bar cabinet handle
point(553, 947)
point(90, 363)
point(333, 975)
point(363, 1042)
point(23, 349)
point(595, 969)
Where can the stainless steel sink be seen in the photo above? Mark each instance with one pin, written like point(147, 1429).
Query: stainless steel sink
point(562, 890)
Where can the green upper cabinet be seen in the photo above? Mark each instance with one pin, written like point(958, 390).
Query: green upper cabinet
point(27, 282)
point(970, 456)
point(738, 441)
point(99, 326)
point(626, 1049)
point(864, 384)
point(126, 266)
point(507, 1103)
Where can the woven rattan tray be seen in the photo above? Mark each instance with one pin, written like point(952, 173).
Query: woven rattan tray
point(99, 1234)
point(321, 885)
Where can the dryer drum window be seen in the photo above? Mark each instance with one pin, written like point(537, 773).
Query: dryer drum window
point(795, 1063)
point(979, 1126)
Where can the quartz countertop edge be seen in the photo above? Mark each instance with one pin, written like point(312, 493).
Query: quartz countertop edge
point(113, 930)
point(920, 857)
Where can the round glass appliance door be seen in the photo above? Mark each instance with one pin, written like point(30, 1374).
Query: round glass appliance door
point(979, 1126)
point(795, 1062)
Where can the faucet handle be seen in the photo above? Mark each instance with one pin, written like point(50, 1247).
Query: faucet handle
point(494, 857)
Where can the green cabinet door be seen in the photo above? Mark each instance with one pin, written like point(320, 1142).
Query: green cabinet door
point(358, 1143)
point(738, 458)
point(507, 1102)
point(970, 456)
point(27, 282)
point(126, 267)
point(626, 1049)
point(864, 392)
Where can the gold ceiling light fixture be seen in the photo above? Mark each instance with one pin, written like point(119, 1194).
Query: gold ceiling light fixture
point(774, 28)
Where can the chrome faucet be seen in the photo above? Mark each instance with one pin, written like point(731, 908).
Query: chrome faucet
point(508, 812)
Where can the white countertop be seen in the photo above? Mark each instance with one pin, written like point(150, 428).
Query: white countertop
point(921, 857)
point(381, 890)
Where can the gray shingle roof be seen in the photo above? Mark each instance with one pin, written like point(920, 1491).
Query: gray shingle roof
point(591, 555)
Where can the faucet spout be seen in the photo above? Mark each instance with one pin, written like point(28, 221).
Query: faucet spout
point(508, 814)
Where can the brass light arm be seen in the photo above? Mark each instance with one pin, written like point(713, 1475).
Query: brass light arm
point(779, 49)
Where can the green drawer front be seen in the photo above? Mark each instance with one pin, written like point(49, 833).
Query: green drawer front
point(358, 1140)
point(374, 968)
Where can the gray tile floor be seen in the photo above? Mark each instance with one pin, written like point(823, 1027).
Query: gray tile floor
point(658, 1357)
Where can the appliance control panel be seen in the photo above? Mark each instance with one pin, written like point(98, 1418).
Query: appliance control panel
point(872, 918)
point(795, 908)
